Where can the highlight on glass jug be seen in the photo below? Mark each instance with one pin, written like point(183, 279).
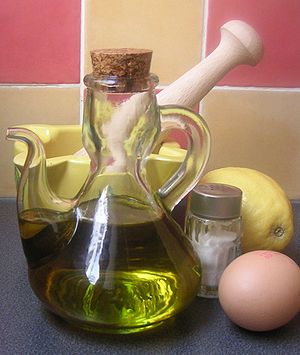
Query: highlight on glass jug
point(112, 259)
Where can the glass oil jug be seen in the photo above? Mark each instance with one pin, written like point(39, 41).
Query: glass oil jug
point(112, 259)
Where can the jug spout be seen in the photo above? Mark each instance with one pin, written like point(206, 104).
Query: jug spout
point(33, 188)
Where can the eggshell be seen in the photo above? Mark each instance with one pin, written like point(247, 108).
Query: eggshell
point(260, 290)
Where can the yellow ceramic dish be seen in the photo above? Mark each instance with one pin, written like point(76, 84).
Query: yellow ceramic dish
point(67, 172)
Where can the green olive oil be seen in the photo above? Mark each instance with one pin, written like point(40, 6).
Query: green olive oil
point(107, 277)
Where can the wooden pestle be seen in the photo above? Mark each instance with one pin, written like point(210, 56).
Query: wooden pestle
point(239, 44)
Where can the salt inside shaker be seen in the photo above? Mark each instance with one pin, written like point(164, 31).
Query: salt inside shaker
point(214, 226)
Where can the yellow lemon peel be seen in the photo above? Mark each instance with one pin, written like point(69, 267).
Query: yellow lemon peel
point(266, 210)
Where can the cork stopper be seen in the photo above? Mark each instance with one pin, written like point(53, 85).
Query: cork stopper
point(121, 62)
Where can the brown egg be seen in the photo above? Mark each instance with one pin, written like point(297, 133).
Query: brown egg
point(260, 290)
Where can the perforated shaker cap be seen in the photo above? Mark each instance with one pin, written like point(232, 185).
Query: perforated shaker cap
point(216, 201)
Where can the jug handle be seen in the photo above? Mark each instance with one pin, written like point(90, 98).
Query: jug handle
point(188, 174)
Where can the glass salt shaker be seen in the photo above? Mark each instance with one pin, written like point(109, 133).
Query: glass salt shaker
point(214, 226)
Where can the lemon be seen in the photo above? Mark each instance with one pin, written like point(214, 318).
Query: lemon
point(266, 210)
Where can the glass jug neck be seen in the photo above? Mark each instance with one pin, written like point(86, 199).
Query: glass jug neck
point(121, 121)
point(121, 84)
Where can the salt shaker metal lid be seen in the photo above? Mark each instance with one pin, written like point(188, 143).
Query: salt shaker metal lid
point(216, 201)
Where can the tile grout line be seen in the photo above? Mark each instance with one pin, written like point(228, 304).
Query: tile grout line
point(38, 86)
point(204, 40)
point(204, 29)
point(248, 88)
point(82, 51)
point(217, 87)
point(256, 88)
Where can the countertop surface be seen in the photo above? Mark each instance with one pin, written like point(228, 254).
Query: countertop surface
point(27, 328)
